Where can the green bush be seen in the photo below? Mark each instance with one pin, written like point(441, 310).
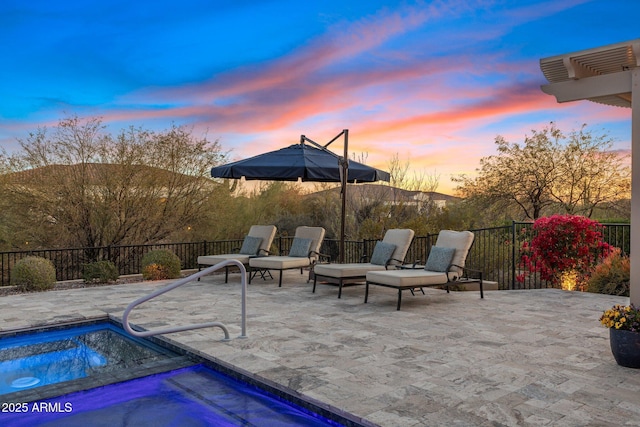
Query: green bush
point(611, 276)
point(100, 272)
point(33, 274)
point(160, 264)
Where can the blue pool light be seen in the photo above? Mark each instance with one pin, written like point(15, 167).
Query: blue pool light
point(50, 357)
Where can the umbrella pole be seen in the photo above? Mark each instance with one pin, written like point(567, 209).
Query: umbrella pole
point(345, 172)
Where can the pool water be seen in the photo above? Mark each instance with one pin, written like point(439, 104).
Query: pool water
point(95, 376)
point(193, 396)
point(51, 357)
point(53, 365)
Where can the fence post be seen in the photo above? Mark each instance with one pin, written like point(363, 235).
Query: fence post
point(364, 250)
point(512, 285)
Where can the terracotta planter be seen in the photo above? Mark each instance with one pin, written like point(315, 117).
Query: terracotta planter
point(625, 346)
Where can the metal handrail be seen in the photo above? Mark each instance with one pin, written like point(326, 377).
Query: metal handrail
point(243, 280)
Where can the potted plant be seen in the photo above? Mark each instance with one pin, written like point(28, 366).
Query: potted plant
point(624, 334)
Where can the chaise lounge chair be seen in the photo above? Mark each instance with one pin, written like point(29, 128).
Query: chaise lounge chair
point(256, 243)
point(388, 253)
point(445, 267)
point(304, 252)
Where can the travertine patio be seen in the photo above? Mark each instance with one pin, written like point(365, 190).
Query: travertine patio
point(515, 358)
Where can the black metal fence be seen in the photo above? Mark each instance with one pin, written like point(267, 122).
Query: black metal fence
point(496, 251)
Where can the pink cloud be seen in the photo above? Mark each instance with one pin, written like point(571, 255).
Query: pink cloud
point(432, 108)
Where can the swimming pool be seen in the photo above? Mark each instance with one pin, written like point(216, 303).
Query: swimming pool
point(187, 397)
point(187, 391)
point(50, 357)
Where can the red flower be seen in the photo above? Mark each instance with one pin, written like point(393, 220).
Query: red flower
point(561, 243)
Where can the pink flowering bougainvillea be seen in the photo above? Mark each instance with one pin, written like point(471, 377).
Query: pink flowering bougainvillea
point(563, 243)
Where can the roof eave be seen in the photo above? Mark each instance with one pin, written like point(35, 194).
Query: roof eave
point(602, 75)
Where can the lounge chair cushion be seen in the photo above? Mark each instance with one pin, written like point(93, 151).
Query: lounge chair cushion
point(300, 247)
point(439, 259)
point(461, 240)
point(402, 239)
point(359, 269)
point(251, 245)
point(279, 262)
point(215, 259)
point(382, 253)
point(407, 278)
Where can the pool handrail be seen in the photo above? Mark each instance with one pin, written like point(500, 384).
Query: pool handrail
point(184, 280)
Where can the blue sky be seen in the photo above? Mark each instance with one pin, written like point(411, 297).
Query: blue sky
point(432, 81)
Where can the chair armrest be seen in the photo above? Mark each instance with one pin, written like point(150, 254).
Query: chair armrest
point(414, 266)
point(464, 269)
point(321, 256)
point(263, 252)
point(388, 263)
point(472, 270)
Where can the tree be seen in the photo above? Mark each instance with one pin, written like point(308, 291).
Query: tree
point(79, 186)
point(590, 174)
point(550, 173)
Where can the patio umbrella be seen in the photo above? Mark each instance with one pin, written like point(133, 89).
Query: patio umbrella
point(310, 162)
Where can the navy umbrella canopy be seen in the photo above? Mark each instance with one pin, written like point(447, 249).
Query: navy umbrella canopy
point(306, 162)
point(298, 161)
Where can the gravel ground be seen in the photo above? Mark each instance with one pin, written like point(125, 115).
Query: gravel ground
point(73, 284)
point(78, 284)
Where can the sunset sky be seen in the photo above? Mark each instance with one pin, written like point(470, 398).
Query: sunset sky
point(432, 81)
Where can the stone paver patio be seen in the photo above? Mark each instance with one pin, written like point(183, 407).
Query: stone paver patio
point(515, 358)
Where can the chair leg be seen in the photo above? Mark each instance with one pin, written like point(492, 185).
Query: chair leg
point(263, 273)
point(399, 299)
point(315, 279)
point(249, 273)
point(226, 274)
point(366, 292)
point(280, 280)
point(199, 269)
point(414, 293)
point(340, 289)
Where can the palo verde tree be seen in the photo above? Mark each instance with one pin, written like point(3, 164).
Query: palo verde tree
point(76, 185)
point(551, 172)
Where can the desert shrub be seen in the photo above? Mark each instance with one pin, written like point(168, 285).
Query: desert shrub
point(33, 274)
point(100, 272)
point(561, 245)
point(611, 276)
point(160, 264)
